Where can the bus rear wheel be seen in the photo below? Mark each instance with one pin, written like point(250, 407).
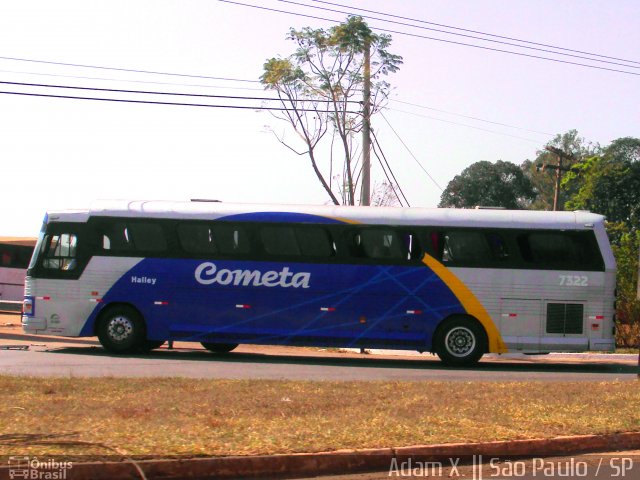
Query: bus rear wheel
point(461, 341)
point(121, 330)
point(219, 347)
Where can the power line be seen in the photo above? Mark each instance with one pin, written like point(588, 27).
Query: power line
point(411, 153)
point(537, 142)
point(460, 34)
point(15, 59)
point(469, 117)
point(478, 32)
point(115, 90)
point(442, 40)
point(261, 90)
point(120, 80)
point(70, 97)
point(391, 182)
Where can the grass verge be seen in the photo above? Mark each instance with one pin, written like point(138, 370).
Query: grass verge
point(175, 416)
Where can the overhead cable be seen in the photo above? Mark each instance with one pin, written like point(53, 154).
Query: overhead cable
point(411, 153)
point(475, 37)
point(442, 40)
point(477, 32)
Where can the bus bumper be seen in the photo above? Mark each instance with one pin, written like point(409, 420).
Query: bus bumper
point(33, 324)
point(602, 345)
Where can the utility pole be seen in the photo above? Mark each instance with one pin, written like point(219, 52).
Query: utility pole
point(559, 168)
point(365, 191)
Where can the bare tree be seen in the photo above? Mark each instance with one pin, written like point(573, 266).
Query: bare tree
point(320, 85)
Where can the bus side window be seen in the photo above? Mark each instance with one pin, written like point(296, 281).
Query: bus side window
point(410, 246)
point(60, 252)
point(7, 259)
point(499, 249)
point(196, 238)
point(381, 244)
point(147, 237)
point(279, 241)
point(315, 242)
point(115, 237)
point(231, 239)
point(465, 247)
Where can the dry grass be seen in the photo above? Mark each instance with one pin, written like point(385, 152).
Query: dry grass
point(224, 417)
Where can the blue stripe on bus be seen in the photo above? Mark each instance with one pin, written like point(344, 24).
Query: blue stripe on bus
point(280, 217)
point(366, 304)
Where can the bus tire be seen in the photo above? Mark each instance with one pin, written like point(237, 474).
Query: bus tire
point(219, 347)
point(460, 341)
point(121, 329)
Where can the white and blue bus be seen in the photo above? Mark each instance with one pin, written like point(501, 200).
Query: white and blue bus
point(459, 283)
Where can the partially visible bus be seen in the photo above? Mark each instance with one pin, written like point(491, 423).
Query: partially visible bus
point(459, 283)
point(15, 253)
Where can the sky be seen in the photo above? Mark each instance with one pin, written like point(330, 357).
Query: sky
point(65, 153)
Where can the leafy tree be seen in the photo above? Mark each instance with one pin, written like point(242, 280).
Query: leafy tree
point(500, 184)
point(543, 181)
point(321, 86)
point(609, 183)
point(625, 248)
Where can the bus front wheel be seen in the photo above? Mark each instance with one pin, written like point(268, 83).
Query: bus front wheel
point(121, 330)
point(219, 347)
point(461, 341)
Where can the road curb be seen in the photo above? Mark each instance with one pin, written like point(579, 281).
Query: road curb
point(342, 461)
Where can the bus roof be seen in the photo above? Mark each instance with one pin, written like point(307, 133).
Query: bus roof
point(18, 241)
point(449, 217)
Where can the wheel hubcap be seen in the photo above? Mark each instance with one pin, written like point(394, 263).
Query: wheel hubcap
point(460, 342)
point(120, 328)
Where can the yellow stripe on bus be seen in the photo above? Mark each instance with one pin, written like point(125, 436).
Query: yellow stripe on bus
point(469, 301)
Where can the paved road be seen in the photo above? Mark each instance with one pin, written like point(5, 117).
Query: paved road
point(48, 356)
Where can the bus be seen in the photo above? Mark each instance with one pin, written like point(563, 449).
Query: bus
point(15, 253)
point(456, 282)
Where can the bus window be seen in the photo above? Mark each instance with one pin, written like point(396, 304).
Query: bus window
point(147, 237)
point(231, 239)
point(125, 237)
point(499, 249)
point(315, 242)
point(279, 241)
point(560, 250)
point(381, 244)
point(410, 246)
point(465, 247)
point(196, 238)
point(60, 252)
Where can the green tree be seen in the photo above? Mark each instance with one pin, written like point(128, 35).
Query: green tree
point(625, 249)
point(543, 180)
point(500, 184)
point(321, 86)
point(609, 183)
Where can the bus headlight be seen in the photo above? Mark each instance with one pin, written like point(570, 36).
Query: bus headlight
point(27, 306)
